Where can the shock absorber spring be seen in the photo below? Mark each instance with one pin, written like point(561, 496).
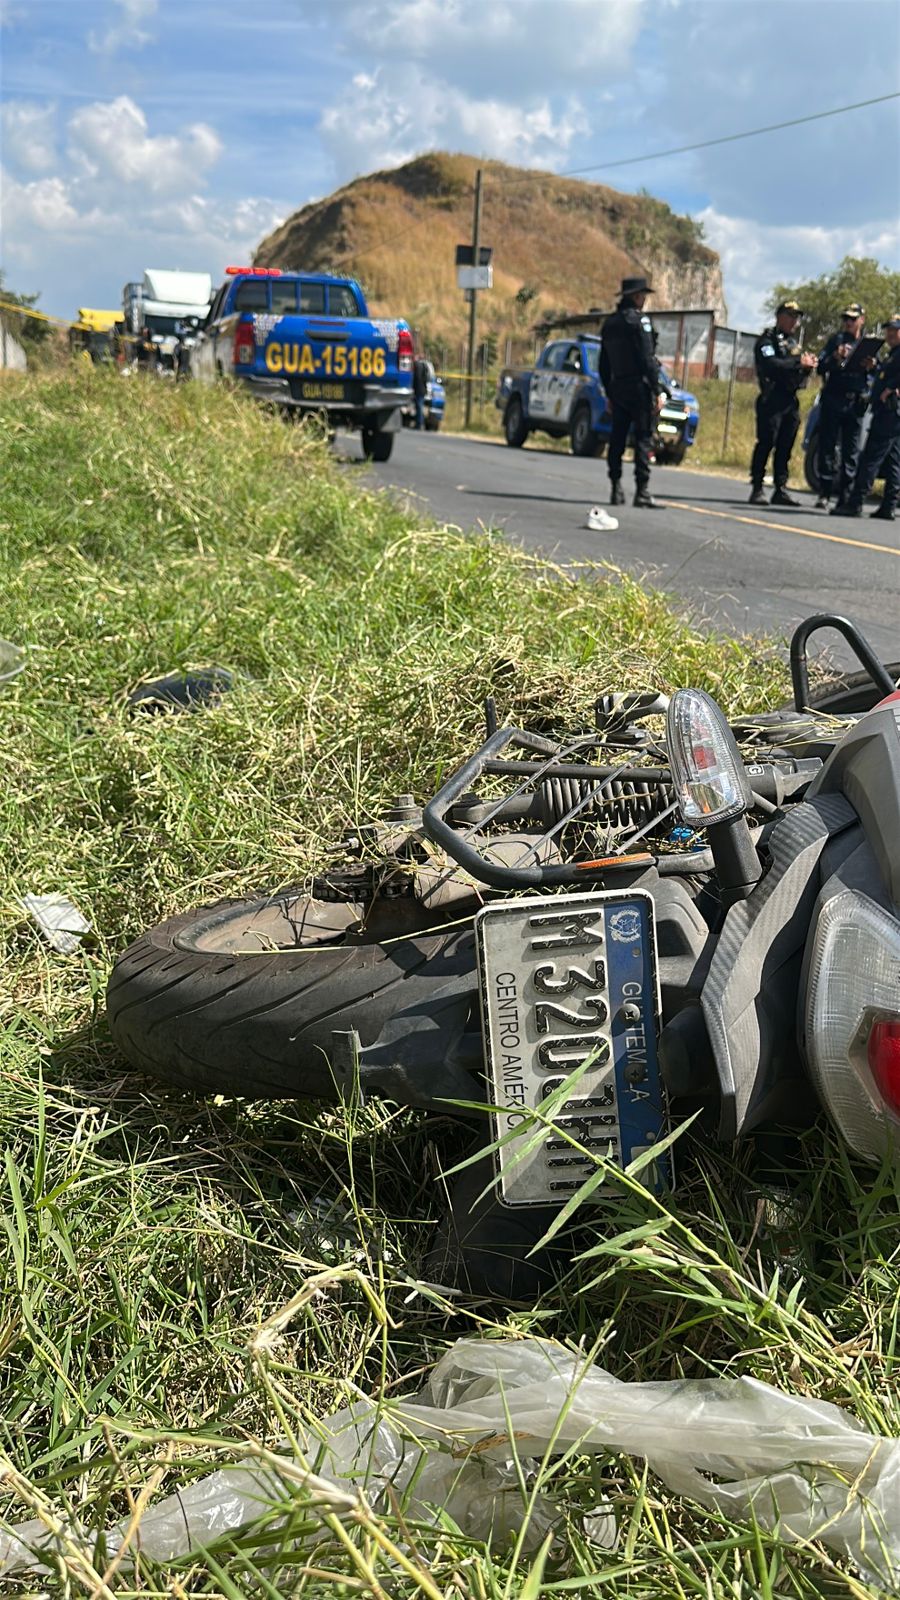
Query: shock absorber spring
point(623, 803)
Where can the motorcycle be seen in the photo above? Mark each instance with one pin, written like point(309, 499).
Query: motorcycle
point(576, 944)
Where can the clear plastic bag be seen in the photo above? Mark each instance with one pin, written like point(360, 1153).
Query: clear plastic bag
point(739, 1447)
point(736, 1445)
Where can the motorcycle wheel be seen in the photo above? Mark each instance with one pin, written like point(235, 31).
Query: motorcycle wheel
point(811, 464)
point(853, 696)
point(242, 998)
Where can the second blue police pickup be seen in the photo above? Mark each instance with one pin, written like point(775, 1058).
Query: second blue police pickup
point(562, 395)
point(305, 341)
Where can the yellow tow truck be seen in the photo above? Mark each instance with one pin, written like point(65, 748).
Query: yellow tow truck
point(97, 336)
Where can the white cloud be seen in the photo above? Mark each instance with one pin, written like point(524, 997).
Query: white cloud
point(511, 79)
point(128, 32)
point(29, 134)
point(44, 204)
point(756, 256)
point(230, 229)
point(125, 197)
point(400, 111)
point(504, 48)
point(110, 139)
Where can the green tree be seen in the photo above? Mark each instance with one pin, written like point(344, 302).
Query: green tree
point(30, 331)
point(859, 278)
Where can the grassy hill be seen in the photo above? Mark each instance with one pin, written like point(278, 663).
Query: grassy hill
point(559, 243)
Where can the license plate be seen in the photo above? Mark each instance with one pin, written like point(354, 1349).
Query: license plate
point(667, 427)
point(562, 979)
point(323, 391)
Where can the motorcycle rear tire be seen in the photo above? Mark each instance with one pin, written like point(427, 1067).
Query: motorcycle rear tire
point(242, 998)
point(854, 695)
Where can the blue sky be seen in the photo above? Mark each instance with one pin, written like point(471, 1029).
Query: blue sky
point(177, 132)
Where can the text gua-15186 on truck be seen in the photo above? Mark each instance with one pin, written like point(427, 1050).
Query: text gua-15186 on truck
point(562, 395)
point(306, 342)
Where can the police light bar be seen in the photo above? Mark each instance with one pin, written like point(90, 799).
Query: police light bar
point(253, 272)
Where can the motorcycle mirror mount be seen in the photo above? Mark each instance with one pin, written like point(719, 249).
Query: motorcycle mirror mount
point(712, 787)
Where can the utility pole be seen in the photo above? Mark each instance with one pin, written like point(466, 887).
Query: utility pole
point(473, 302)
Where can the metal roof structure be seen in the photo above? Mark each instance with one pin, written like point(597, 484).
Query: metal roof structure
point(595, 317)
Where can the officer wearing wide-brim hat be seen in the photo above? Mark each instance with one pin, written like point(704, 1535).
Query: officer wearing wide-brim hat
point(633, 380)
point(841, 409)
point(882, 450)
point(782, 368)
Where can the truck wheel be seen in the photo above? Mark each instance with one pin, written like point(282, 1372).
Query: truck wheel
point(672, 456)
point(515, 427)
point(432, 424)
point(581, 434)
point(811, 464)
point(242, 998)
point(377, 446)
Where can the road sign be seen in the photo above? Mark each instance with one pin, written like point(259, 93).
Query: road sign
point(475, 277)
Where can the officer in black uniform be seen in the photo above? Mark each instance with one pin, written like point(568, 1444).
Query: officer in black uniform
point(633, 381)
point(842, 408)
point(883, 443)
point(782, 368)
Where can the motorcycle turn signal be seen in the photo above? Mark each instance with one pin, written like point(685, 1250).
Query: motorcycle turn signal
point(712, 787)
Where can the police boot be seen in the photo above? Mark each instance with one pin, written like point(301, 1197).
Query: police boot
point(645, 500)
point(782, 498)
point(616, 493)
point(841, 509)
point(757, 498)
point(883, 514)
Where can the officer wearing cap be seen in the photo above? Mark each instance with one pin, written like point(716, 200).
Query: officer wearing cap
point(633, 381)
point(883, 443)
point(782, 368)
point(842, 408)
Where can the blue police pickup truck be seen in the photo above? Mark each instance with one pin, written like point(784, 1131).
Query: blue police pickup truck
point(305, 342)
point(563, 396)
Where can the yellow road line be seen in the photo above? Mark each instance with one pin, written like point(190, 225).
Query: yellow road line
point(784, 527)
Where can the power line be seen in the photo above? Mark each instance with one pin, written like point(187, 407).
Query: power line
point(630, 161)
point(728, 138)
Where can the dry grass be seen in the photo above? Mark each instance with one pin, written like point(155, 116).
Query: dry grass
point(571, 241)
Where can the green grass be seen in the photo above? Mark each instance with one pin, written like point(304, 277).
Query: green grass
point(147, 1236)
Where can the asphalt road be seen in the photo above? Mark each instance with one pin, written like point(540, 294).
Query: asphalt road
point(745, 568)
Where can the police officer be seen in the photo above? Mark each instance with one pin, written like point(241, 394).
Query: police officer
point(782, 368)
point(633, 381)
point(883, 443)
point(842, 408)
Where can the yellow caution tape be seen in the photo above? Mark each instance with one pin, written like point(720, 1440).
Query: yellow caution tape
point(29, 311)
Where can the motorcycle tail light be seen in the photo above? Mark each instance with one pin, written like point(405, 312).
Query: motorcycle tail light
point(405, 350)
point(710, 782)
point(851, 1021)
point(883, 1053)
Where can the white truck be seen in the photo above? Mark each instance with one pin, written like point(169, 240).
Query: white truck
point(163, 301)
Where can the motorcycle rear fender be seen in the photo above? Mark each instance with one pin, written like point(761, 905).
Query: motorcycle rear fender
point(865, 768)
point(749, 998)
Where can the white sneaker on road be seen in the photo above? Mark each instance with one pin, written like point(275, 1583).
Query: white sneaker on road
point(600, 521)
